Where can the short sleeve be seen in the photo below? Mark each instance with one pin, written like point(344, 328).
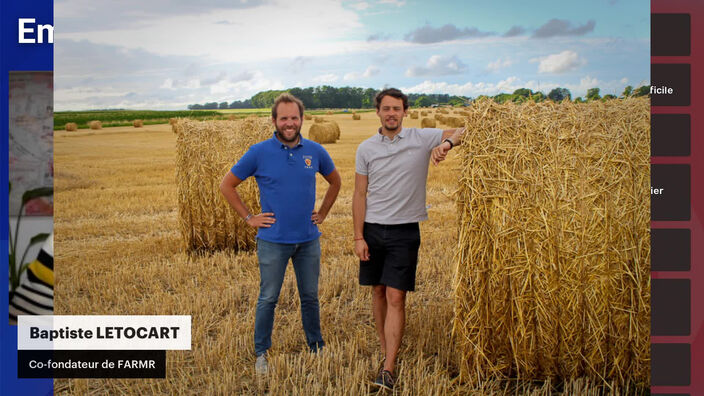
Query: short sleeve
point(326, 165)
point(431, 137)
point(361, 165)
point(246, 166)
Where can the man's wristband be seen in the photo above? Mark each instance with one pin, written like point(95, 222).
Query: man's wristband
point(249, 216)
point(449, 141)
point(359, 239)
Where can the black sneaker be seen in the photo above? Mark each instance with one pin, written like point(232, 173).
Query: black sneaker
point(385, 380)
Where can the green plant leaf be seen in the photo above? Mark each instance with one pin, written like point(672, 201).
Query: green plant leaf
point(36, 193)
point(38, 238)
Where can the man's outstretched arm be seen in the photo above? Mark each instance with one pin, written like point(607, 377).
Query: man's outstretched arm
point(440, 151)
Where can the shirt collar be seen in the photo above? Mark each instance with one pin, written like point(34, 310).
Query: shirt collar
point(280, 144)
point(399, 135)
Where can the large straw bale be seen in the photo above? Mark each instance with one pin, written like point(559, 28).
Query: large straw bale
point(138, 123)
point(553, 262)
point(95, 124)
point(427, 123)
point(71, 126)
point(205, 152)
point(324, 132)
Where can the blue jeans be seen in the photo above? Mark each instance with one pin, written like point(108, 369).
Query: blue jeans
point(273, 260)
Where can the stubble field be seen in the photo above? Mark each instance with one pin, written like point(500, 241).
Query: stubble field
point(118, 251)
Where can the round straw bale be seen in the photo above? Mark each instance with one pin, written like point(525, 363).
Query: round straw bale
point(427, 123)
point(71, 126)
point(324, 132)
point(356, 117)
point(95, 124)
point(318, 119)
point(414, 115)
point(137, 123)
point(423, 113)
point(455, 122)
point(307, 116)
point(329, 112)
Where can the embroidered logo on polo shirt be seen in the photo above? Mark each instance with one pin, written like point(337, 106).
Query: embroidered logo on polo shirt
point(308, 161)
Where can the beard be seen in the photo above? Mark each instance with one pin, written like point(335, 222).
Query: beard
point(388, 125)
point(292, 139)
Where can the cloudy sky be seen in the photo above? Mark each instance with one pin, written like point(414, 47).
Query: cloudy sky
point(166, 54)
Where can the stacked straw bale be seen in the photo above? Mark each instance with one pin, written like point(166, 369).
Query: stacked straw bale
point(427, 123)
point(95, 124)
point(71, 126)
point(356, 117)
point(553, 262)
point(206, 150)
point(137, 123)
point(324, 132)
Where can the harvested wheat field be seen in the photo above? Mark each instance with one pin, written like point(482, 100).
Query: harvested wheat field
point(119, 251)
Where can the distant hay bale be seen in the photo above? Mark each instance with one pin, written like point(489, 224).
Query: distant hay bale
point(329, 112)
point(95, 124)
point(553, 256)
point(232, 117)
point(440, 118)
point(71, 126)
point(427, 123)
point(325, 132)
point(137, 123)
point(205, 152)
point(423, 113)
point(356, 117)
point(318, 119)
point(414, 115)
point(455, 122)
point(307, 116)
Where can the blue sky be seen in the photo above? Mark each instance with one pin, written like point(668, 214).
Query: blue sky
point(163, 54)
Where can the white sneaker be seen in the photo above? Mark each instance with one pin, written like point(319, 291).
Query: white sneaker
point(262, 365)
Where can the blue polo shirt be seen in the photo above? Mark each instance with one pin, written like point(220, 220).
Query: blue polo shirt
point(286, 180)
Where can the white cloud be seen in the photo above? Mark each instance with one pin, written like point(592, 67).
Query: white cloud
point(499, 64)
point(256, 34)
point(509, 84)
point(559, 63)
point(438, 65)
point(369, 72)
point(326, 78)
point(361, 6)
point(246, 87)
point(397, 3)
point(624, 80)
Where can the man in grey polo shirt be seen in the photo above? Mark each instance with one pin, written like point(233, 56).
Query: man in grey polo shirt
point(388, 203)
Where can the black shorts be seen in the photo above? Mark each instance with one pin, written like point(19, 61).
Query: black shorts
point(393, 255)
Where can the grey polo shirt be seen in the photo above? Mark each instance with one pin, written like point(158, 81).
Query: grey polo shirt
point(397, 171)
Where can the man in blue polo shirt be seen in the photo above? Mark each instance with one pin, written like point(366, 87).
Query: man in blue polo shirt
point(284, 168)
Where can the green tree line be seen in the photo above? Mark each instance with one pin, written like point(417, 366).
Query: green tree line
point(363, 98)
